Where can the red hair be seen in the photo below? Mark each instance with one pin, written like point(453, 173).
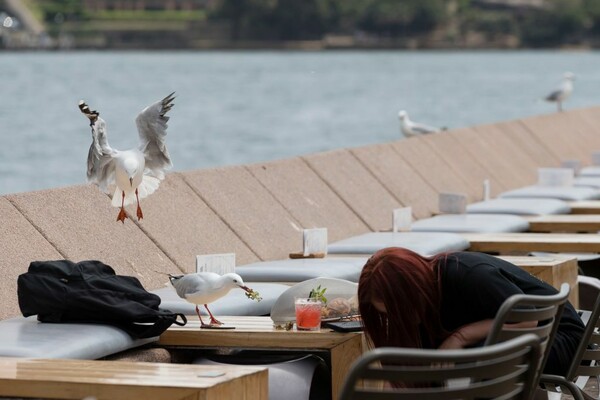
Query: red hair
point(408, 286)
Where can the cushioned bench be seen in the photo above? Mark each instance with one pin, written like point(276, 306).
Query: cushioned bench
point(519, 206)
point(593, 170)
point(567, 193)
point(591, 181)
point(425, 243)
point(298, 270)
point(235, 303)
point(461, 223)
point(26, 337)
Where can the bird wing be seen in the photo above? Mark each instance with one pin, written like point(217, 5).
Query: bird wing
point(152, 128)
point(100, 162)
point(423, 129)
point(555, 95)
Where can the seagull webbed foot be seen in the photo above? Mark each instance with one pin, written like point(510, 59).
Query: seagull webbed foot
point(140, 215)
point(122, 215)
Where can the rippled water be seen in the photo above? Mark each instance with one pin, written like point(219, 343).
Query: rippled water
point(242, 107)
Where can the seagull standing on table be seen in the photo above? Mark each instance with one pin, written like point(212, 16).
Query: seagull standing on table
point(204, 288)
point(563, 91)
point(136, 172)
point(410, 128)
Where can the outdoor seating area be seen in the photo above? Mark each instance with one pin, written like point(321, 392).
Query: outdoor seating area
point(259, 212)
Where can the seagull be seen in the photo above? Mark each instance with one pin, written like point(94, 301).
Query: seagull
point(410, 128)
point(136, 172)
point(204, 288)
point(563, 91)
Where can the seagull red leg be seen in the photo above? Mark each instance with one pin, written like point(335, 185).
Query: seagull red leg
point(122, 214)
point(139, 209)
point(202, 324)
point(213, 320)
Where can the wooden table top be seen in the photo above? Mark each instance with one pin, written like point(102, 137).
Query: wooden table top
point(585, 207)
point(565, 223)
point(251, 332)
point(76, 379)
point(526, 242)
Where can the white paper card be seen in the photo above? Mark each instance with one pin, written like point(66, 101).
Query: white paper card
point(452, 203)
point(401, 219)
point(486, 189)
point(596, 158)
point(556, 176)
point(217, 263)
point(575, 165)
point(315, 241)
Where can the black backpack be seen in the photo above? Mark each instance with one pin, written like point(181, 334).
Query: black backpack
point(90, 291)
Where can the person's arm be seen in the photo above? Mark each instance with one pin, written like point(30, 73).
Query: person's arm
point(473, 333)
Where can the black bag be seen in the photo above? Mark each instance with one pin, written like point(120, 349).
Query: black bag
point(90, 291)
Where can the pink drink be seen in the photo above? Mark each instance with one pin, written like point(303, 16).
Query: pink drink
point(308, 314)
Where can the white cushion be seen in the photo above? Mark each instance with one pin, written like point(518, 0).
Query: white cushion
point(591, 181)
point(26, 337)
point(463, 223)
point(567, 193)
point(234, 303)
point(298, 270)
point(518, 206)
point(424, 243)
point(593, 170)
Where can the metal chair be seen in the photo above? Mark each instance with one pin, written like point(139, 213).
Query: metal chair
point(585, 364)
point(543, 310)
point(501, 371)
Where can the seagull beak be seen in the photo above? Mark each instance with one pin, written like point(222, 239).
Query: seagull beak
point(246, 288)
point(131, 181)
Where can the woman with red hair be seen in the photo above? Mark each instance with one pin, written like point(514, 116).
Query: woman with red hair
point(449, 301)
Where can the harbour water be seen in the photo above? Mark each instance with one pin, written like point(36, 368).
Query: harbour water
point(240, 107)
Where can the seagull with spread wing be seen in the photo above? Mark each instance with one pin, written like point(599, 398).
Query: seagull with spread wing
point(137, 172)
point(563, 91)
point(410, 128)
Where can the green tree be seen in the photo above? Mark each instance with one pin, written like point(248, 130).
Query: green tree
point(561, 22)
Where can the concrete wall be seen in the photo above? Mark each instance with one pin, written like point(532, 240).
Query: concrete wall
point(258, 211)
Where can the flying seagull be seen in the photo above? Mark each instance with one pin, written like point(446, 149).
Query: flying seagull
point(136, 172)
point(206, 287)
point(563, 91)
point(410, 128)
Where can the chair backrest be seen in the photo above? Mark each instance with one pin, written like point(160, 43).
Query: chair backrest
point(587, 356)
point(502, 371)
point(544, 310)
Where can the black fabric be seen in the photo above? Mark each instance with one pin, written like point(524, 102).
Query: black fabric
point(474, 286)
point(91, 292)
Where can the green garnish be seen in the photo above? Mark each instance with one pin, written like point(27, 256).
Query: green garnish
point(318, 294)
point(253, 295)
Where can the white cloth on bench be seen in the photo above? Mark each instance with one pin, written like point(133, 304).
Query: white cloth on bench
point(464, 223)
point(424, 243)
point(519, 206)
point(26, 337)
point(567, 193)
point(298, 270)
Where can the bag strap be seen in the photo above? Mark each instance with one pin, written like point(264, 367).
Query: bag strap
point(162, 323)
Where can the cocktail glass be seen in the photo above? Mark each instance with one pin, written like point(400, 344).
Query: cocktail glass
point(308, 314)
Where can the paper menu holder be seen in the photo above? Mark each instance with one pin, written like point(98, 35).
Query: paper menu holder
point(217, 263)
point(556, 177)
point(402, 219)
point(314, 244)
point(486, 190)
point(452, 203)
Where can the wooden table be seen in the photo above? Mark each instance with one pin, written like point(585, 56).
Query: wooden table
point(523, 243)
point(554, 270)
point(565, 223)
point(585, 207)
point(120, 380)
point(259, 333)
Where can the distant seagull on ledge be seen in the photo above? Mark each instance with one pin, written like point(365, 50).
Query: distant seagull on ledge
point(136, 172)
point(410, 128)
point(563, 91)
